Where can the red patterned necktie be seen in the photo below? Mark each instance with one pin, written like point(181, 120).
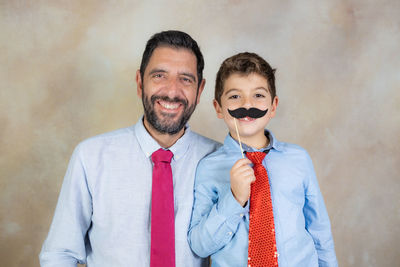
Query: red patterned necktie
point(262, 244)
point(162, 211)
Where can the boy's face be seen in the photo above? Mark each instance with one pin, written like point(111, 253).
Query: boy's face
point(246, 91)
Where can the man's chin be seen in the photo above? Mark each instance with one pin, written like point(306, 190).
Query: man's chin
point(168, 125)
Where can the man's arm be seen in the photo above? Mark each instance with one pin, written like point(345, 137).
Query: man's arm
point(215, 218)
point(65, 243)
point(317, 221)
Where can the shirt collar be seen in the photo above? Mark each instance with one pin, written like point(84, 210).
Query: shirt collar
point(233, 145)
point(149, 145)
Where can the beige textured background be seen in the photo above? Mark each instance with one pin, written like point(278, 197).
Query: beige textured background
point(67, 72)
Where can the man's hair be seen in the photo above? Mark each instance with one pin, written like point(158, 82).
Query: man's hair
point(244, 64)
point(174, 39)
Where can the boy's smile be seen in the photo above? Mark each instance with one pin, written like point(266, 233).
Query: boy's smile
point(247, 91)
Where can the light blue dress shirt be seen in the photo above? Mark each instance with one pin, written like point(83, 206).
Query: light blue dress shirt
point(220, 225)
point(103, 212)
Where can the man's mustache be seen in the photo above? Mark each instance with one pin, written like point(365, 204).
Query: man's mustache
point(154, 98)
point(254, 113)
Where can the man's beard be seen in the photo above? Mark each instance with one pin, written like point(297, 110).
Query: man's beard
point(166, 124)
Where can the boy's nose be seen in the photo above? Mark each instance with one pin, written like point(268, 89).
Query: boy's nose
point(246, 102)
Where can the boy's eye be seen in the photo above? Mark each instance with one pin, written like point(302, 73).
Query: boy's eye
point(233, 97)
point(259, 95)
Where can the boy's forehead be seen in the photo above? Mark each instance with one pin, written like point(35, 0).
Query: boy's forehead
point(245, 81)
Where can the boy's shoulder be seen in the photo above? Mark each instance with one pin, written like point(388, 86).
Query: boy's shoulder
point(292, 153)
point(288, 147)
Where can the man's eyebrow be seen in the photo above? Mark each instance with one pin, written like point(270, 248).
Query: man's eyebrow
point(188, 75)
point(157, 71)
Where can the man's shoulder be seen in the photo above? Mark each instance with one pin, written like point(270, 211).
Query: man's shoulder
point(205, 143)
point(119, 136)
point(217, 158)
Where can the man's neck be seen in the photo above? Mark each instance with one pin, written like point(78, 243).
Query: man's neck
point(163, 139)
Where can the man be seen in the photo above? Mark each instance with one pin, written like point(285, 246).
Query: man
point(119, 204)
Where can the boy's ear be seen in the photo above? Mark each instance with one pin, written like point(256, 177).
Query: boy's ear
point(218, 109)
point(274, 106)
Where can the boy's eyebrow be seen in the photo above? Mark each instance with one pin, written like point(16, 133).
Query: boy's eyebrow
point(257, 88)
point(230, 90)
point(262, 88)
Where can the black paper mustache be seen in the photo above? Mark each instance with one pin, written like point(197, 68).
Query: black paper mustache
point(254, 113)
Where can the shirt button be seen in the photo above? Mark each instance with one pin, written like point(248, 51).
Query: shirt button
point(229, 233)
point(241, 215)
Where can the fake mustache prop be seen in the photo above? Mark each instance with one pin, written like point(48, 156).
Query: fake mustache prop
point(239, 113)
point(254, 113)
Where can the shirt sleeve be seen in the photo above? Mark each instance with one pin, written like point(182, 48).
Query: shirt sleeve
point(215, 217)
point(317, 220)
point(65, 243)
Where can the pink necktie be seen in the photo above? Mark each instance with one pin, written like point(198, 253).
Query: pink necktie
point(162, 211)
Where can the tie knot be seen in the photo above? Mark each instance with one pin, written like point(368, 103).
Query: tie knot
point(256, 157)
point(161, 155)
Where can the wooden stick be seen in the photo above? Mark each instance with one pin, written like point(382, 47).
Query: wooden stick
point(237, 133)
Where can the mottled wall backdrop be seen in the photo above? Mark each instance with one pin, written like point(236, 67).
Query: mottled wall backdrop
point(67, 72)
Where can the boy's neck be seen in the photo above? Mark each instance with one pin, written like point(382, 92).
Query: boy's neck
point(258, 142)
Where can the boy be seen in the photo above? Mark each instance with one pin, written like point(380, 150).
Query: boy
point(277, 206)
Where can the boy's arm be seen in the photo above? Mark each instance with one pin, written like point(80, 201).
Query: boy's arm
point(65, 243)
point(317, 221)
point(215, 216)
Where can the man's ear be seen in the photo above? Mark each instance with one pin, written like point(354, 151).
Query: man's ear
point(218, 109)
point(139, 84)
point(200, 90)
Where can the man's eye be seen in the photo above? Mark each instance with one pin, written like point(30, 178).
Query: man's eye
point(157, 75)
point(187, 80)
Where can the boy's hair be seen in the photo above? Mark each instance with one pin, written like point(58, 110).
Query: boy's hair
point(174, 39)
point(245, 64)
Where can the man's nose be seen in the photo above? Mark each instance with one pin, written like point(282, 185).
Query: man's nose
point(174, 88)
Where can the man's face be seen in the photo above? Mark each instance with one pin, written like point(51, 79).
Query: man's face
point(169, 89)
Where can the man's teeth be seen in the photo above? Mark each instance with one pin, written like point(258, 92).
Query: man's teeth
point(169, 105)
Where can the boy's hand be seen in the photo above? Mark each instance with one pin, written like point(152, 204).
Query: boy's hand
point(242, 176)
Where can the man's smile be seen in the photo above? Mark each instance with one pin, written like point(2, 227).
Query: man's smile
point(169, 106)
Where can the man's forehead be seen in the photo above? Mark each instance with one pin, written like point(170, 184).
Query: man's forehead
point(165, 57)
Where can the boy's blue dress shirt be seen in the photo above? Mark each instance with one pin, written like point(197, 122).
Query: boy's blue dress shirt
point(220, 225)
point(103, 212)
